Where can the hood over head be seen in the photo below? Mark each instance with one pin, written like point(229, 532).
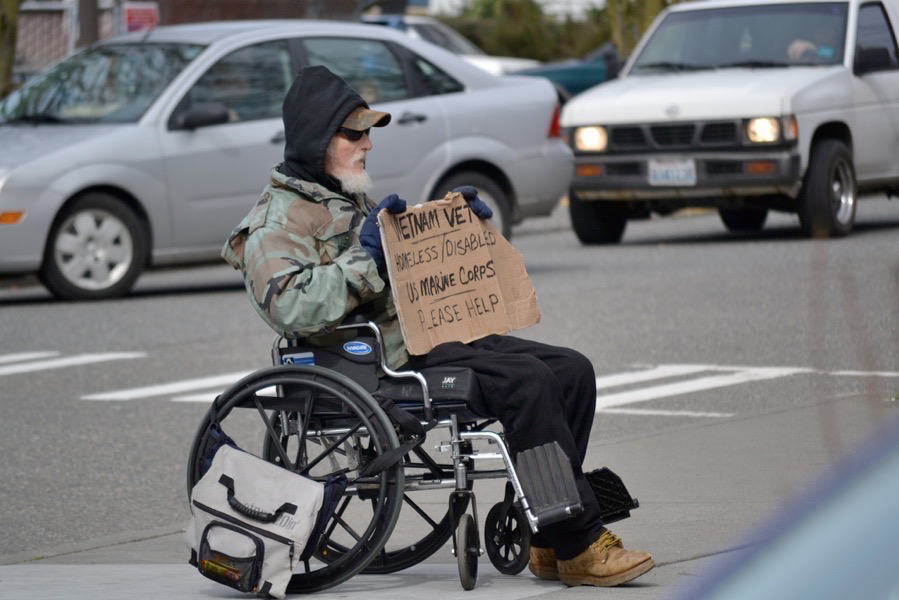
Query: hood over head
point(317, 105)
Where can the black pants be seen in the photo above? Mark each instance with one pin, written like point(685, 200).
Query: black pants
point(540, 394)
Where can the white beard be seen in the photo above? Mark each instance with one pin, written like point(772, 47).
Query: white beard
point(358, 182)
point(355, 183)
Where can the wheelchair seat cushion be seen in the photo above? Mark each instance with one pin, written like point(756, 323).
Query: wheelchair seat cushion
point(452, 389)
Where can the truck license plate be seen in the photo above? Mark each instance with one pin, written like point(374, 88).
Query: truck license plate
point(672, 172)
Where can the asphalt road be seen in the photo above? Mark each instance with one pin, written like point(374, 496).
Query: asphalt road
point(685, 323)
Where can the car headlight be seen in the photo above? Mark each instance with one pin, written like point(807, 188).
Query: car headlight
point(763, 130)
point(591, 139)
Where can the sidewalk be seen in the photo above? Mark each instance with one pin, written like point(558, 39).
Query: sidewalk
point(702, 489)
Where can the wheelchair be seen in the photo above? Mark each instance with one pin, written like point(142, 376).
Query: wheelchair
point(340, 411)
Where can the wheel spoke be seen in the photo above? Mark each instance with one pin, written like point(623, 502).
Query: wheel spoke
point(346, 527)
point(74, 269)
point(67, 243)
point(337, 513)
point(84, 224)
point(100, 272)
point(117, 254)
point(420, 511)
point(330, 449)
point(110, 230)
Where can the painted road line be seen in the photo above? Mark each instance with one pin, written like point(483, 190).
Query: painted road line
point(663, 413)
point(660, 372)
point(69, 361)
point(166, 389)
point(23, 356)
point(865, 373)
point(208, 397)
point(694, 385)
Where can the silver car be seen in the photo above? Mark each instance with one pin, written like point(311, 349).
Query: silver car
point(147, 149)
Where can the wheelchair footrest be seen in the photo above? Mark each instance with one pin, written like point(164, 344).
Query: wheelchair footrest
point(615, 502)
point(548, 481)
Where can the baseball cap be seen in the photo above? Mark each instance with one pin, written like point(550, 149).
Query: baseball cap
point(363, 118)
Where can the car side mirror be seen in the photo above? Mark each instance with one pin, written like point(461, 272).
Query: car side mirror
point(868, 60)
point(203, 114)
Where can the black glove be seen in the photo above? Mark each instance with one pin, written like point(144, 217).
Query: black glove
point(477, 206)
point(370, 237)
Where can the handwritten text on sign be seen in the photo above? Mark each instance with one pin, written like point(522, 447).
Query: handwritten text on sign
point(446, 274)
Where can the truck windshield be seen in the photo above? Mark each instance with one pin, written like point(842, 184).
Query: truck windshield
point(103, 84)
point(754, 36)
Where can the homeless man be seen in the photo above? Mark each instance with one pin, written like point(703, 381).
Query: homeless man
point(310, 253)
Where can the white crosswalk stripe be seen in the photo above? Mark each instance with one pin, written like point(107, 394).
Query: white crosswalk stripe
point(677, 388)
point(24, 356)
point(673, 380)
point(30, 362)
point(660, 372)
point(176, 387)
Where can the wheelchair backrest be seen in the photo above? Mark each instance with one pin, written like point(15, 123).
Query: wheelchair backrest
point(357, 359)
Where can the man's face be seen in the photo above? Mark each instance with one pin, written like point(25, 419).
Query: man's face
point(345, 161)
point(345, 157)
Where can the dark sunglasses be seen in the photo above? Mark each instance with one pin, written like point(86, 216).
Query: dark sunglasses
point(352, 134)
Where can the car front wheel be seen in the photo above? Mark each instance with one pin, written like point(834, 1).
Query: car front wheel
point(743, 219)
point(488, 191)
point(597, 221)
point(96, 249)
point(829, 194)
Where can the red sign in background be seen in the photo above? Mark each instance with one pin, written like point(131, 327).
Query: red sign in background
point(140, 15)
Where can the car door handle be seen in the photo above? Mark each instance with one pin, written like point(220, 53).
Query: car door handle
point(408, 117)
point(278, 138)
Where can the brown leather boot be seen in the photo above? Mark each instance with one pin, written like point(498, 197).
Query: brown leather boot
point(605, 563)
point(543, 563)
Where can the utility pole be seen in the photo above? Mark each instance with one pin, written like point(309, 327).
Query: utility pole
point(9, 18)
point(88, 23)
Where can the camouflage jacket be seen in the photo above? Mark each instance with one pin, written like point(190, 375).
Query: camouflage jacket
point(303, 267)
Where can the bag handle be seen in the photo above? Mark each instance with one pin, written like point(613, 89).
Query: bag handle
point(253, 513)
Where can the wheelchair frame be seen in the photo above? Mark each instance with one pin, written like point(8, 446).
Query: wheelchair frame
point(325, 410)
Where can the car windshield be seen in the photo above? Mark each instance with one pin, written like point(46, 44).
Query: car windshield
point(104, 84)
point(446, 38)
point(757, 36)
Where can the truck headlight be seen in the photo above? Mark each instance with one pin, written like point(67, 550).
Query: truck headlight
point(591, 139)
point(763, 130)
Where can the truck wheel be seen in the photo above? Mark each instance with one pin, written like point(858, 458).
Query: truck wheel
point(96, 249)
point(828, 197)
point(488, 191)
point(743, 219)
point(597, 221)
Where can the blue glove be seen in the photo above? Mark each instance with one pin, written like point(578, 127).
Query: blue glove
point(370, 237)
point(477, 206)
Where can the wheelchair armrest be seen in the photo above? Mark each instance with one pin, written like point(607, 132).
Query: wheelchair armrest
point(373, 327)
point(359, 321)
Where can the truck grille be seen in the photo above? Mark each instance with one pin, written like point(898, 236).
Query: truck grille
point(674, 136)
point(667, 136)
point(719, 134)
point(628, 138)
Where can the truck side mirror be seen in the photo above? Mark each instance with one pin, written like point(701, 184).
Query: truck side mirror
point(868, 60)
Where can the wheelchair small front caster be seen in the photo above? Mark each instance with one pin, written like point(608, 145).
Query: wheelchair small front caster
point(507, 539)
point(467, 551)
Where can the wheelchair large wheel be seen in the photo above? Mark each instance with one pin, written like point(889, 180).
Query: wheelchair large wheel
point(333, 427)
point(427, 524)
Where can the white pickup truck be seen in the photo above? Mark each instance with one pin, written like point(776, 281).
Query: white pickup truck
point(746, 106)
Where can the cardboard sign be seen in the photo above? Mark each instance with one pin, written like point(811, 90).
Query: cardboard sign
point(453, 276)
